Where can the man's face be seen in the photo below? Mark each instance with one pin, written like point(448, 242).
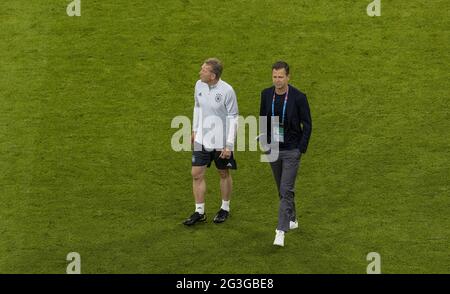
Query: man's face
point(279, 78)
point(206, 75)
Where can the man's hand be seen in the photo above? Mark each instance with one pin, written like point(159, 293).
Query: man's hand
point(192, 138)
point(225, 154)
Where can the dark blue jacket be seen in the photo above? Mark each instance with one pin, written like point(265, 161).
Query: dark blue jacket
point(298, 125)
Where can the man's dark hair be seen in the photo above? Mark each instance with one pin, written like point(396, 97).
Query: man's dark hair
point(281, 64)
point(216, 66)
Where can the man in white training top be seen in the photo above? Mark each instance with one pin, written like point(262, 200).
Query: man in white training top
point(213, 137)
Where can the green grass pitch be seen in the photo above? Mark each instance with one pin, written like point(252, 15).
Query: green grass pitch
point(86, 163)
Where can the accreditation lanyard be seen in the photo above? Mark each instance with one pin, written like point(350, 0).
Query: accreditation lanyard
point(284, 105)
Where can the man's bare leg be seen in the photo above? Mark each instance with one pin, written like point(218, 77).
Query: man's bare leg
point(198, 189)
point(226, 184)
point(199, 184)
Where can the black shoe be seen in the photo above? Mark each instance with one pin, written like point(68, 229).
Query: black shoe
point(194, 218)
point(221, 216)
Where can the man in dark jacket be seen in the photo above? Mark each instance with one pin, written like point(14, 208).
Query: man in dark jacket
point(292, 135)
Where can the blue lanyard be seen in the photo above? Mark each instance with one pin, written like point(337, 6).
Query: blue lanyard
point(284, 105)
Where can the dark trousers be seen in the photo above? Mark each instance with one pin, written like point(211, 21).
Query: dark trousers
point(284, 170)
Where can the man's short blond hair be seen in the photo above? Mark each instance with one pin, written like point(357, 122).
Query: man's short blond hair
point(216, 66)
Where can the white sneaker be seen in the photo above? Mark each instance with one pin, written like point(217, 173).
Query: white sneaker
point(293, 225)
point(279, 238)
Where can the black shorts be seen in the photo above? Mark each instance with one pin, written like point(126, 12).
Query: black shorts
point(205, 157)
